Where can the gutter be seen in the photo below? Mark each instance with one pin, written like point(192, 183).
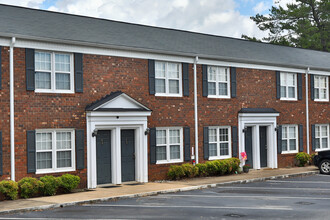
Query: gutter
point(12, 123)
point(307, 110)
point(196, 109)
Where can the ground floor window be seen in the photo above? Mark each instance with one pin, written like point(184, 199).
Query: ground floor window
point(289, 139)
point(54, 150)
point(169, 145)
point(322, 137)
point(219, 143)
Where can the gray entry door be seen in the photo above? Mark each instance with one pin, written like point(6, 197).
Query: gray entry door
point(103, 157)
point(127, 155)
point(263, 146)
point(248, 146)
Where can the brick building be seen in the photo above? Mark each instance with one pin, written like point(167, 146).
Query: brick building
point(114, 102)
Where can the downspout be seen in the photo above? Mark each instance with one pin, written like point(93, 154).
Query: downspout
point(307, 110)
point(12, 127)
point(195, 109)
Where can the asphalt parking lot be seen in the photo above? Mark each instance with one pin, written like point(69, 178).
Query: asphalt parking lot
point(293, 198)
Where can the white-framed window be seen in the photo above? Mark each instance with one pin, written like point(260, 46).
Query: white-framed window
point(288, 86)
point(321, 88)
point(218, 82)
point(53, 72)
point(55, 150)
point(322, 137)
point(219, 142)
point(289, 139)
point(168, 78)
point(169, 145)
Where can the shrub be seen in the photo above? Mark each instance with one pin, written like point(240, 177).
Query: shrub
point(189, 170)
point(302, 158)
point(29, 187)
point(211, 168)
point(51, 185)
point(202, 169)
point(69, 182)
point(176, 172)
point(235, 162)
point(222, 167)
point(9, 189)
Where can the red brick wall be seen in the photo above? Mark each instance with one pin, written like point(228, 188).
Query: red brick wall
point(105, 74)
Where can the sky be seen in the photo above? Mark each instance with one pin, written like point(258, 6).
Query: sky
point(229, 18)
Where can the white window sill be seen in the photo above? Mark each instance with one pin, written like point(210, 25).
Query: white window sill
point(44, 171)
point(168, 95)
point(289, 152)
point(168, 161)
point(219, 157)
point(323, 149)
point(289, 99)
point(218, 97)
point(321, 100)
point(54, 91)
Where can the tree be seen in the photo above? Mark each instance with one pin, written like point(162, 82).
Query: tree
point(305, 24)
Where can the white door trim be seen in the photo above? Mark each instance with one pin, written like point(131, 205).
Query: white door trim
point(255, 120)
point(107, 121)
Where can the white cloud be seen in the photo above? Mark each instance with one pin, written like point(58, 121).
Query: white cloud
point(25, 3)
point(261, 7)
point(283, 3)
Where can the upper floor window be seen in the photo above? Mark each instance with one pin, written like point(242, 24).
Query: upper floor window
point(219, 142)
point(321, 88)
point(322, 137)
point(288, 86)
point(169, 145)
point(218, 82)
point(168, 78)
point(53, 72)
point(55, 150)
point(289, 139)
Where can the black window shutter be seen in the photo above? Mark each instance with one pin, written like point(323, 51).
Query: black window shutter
point(187, 155)
point(312, 87)
point(1, 166)
point(31, 151)
point(299, 76)
point(301, 138)
point(29, 67)
point(152, 136)
point(278, 84)
point(78, 72)
point(235, 141)
point(205, 82)
point(233, 81)
point(151, 69)
point(279, 139)
point(206, 142)
point(185, 75)
point(80, 149)
point(313, 138)
point(0, 69)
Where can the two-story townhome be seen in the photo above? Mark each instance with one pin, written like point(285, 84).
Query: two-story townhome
point(115, 102)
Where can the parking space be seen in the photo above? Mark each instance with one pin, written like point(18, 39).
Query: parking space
point(293, 198)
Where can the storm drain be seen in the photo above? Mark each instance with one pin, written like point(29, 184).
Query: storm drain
point(234, 215)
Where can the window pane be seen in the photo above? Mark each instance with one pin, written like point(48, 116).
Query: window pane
point(317, 143)
point(160, 69)
point(173, 70)
point(317, 93)
point(223, 89)
point(323, 93)
point(317, 131)
point(161, 153)
point(160, 137)
point(43, 141)
point(174, 136)
point(324, 142)
point(283, 79)
point(63, 140)
point(174, 86)
point(42, 61)
point(292, 132)
point(63, 81)
point(160, 86)
point(292, 144)
point(224, 150)
point(283, 91)
point(174, 152)
point(62, 62)
point(212, 135)
point(63, 159)
point(213, 150)
point(223, 75)
point(325, 131)
point(284, 133)
point(291, 80)
point(211, 88)
point(284, 145)
point(42, 80)
point(44, 160)
point(223, 134)
point(291, 91)
point(211, 73)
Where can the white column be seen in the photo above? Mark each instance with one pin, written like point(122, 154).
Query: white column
point(12, 111)
point(116, 157)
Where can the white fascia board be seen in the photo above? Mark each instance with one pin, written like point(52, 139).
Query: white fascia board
point(258, 114)
point(135, 53)
point(120, 114)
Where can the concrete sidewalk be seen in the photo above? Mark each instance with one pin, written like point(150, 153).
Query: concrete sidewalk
point(152, 188)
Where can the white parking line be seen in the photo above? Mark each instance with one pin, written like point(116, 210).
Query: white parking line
point(292, 181)
point(272, 188)
point(196, 207)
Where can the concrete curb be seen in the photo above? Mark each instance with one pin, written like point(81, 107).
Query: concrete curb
point(128, 196)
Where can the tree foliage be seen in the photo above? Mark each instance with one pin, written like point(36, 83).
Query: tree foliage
point(305, 24)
